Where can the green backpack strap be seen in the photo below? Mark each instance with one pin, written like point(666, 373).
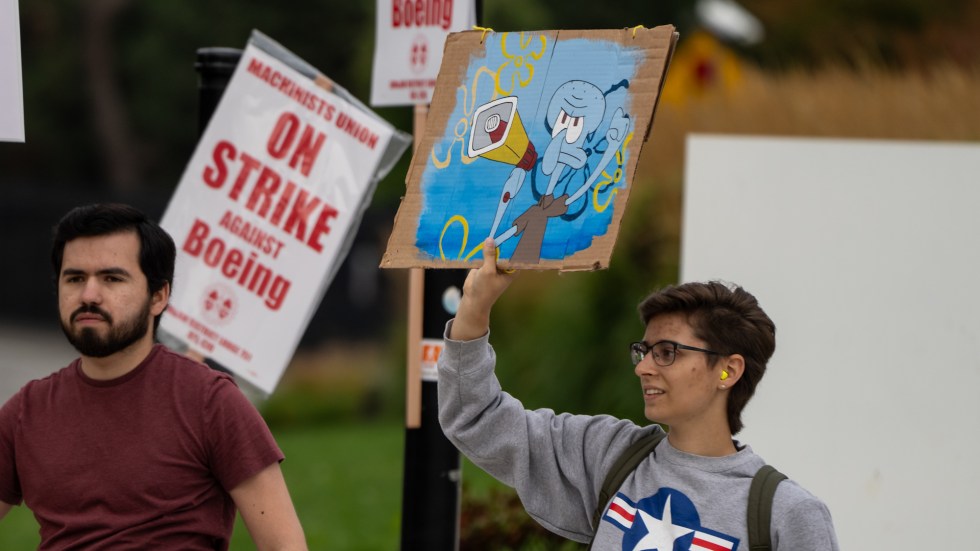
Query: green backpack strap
point(627, 462)
point(760, 507)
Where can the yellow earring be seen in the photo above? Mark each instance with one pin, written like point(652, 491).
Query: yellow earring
point(724, 375)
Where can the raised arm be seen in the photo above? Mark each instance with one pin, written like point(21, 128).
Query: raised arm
point(481, 290)
point(552, 460)
point(268, 512)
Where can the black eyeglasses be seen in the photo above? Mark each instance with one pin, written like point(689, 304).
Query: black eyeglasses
point(664, 352)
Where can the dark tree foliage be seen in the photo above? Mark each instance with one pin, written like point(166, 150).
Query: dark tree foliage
point(111, 97)
point(146, 66)
point(111, 92)
point(110, 89)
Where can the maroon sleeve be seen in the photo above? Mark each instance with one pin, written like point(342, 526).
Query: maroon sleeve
point(239, 442)
point(10, 492)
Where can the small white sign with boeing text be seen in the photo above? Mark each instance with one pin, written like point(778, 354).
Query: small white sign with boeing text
point(408, 47)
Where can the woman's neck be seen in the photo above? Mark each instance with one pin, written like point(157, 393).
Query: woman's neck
point(707, 443)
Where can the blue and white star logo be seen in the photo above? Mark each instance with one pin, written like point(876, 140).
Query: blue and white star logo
point(661, 532)
point(665, 521)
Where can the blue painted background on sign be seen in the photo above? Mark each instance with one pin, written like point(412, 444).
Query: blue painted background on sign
point(461, 194)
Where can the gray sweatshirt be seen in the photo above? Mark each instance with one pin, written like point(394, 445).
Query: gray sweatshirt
point(557, 463)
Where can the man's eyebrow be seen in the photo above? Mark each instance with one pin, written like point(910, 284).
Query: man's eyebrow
point(104, 271)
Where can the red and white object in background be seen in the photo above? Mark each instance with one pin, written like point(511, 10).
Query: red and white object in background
point(408, 47)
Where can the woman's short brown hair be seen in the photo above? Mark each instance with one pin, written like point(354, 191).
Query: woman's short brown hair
point(728, 319)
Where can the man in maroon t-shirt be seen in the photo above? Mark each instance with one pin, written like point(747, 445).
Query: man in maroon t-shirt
point(133, 446)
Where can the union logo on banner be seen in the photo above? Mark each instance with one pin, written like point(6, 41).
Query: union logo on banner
point(419, 54)
point(218, 304)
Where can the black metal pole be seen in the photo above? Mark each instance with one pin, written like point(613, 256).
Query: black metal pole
point(431, 497)
point(214, 67)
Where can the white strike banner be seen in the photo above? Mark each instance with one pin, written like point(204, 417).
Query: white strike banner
point(11, 90)
point(408, 47)
point(265, 212)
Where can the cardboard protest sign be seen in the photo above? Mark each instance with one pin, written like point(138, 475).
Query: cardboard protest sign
point(267, 208)
point(532, 139)
point(408, 47)
point(11, 90)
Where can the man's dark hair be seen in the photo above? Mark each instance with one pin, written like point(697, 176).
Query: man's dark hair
point(728, 319)
point(157, 249)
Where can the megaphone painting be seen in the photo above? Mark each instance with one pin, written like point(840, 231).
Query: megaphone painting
point(531, 140)
point(498, 134)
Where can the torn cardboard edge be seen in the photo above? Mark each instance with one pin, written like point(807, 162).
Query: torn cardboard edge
point(460, 49)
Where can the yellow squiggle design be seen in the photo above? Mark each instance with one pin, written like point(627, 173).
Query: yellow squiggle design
point(595, 195)
point(466, 233)
point(462, 127)
point(518, 61)
point(477, 249)
point(614, 179)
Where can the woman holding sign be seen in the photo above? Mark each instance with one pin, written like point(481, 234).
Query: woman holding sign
point(619, 485)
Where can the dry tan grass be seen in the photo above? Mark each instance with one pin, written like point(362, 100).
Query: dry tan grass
point(942, 104)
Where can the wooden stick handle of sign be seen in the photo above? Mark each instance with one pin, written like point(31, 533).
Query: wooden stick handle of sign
point(413, 384)
point(416, 291)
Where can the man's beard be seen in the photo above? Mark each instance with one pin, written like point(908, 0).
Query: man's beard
point(89, 343)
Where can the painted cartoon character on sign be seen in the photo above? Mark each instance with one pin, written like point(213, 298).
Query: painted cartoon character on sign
point(576, 110)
